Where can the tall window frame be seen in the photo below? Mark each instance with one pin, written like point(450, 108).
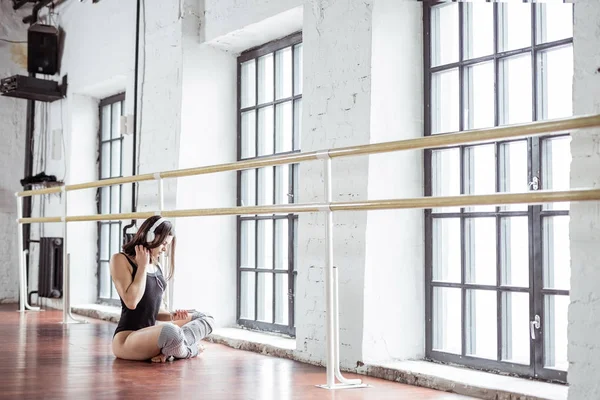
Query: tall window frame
point(451, 262)
point(109, 198)
point(269, 123)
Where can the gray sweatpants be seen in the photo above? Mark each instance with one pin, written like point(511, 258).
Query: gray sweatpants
point(183, 342)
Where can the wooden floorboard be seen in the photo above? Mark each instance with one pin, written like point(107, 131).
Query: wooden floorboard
point(43, 359)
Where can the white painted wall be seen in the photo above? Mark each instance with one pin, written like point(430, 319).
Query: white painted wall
point(394, 305)
point(100, 63)
point(161, 79)
point(90, 79)
point(83, 147)
point(584, 310)
point(206, 267)
point(206, 249)
point(12, 151)
point(74, 121)
point(336, 113)
point(227, 19)
point(262, 32)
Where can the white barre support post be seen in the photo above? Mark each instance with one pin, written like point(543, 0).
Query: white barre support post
point(162, 259)
point(161, 196)
point(67, 294)
point(22, 283)
point(23, 303)
point(331, 297)
point(67, 316)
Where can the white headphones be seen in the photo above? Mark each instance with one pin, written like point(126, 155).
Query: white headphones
point(150, 236)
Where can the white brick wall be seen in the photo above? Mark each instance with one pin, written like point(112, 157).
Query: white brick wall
point(226, 16)
point(584, 310)
point(100, 63)
point(208, 136)
point(161, 99)
point(337, 103)
point(12, 150)
point(394, 274)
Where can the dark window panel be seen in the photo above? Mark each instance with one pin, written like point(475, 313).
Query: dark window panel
point(490, 271)
point(269, 122)
point(109, 198)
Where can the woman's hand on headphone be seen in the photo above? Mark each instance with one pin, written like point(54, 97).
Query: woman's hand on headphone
point(142, 256)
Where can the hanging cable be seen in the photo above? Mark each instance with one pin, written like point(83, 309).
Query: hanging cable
point(135, 114)
point(141, 107)
point(62, 139)
point(12, 41)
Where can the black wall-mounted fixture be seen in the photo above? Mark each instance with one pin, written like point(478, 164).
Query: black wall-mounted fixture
point(42, 49)
point(30, 88)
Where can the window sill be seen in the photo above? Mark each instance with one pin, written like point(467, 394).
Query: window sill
point(98, 311)
point(479, 384)
point(258, 342)
point(238, 338)
point(446, 378)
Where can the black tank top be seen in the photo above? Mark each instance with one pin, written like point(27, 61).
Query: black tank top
point(147, 309)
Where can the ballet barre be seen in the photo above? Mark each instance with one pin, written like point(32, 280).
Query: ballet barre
point(547, 128)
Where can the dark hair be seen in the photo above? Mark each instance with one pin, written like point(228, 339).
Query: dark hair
point(160, 234)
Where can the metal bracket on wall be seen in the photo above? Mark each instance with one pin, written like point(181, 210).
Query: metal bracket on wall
point(33, 18)
point(20, 3)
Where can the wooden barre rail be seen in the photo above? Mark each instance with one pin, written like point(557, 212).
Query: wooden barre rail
point(429, 142)
point(331, 281)
point(538, 197)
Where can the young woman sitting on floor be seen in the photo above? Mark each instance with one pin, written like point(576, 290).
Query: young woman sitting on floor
point(139, 280)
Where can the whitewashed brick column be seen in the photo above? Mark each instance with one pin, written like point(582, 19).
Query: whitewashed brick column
point(584, 310)
point(336, 113)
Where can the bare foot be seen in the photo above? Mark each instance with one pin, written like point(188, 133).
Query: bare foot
point(161, 358)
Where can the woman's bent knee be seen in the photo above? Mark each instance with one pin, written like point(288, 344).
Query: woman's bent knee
point(172, 342)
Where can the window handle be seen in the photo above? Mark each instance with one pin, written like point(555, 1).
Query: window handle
point(533, 325)
point(535, 183)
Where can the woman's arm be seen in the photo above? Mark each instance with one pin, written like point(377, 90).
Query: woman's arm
point(130, 289)
point(164, 315)
point(178, 315)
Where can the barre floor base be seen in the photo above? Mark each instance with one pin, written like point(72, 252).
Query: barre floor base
point(43, 359)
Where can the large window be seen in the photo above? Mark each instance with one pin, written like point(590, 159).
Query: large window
point(109, 198)
point(269, 112)
point(498, 277)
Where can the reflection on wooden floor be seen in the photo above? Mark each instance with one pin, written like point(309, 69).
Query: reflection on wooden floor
point(41, 358)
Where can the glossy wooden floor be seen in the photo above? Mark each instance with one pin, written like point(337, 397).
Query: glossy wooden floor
point(41, 358)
